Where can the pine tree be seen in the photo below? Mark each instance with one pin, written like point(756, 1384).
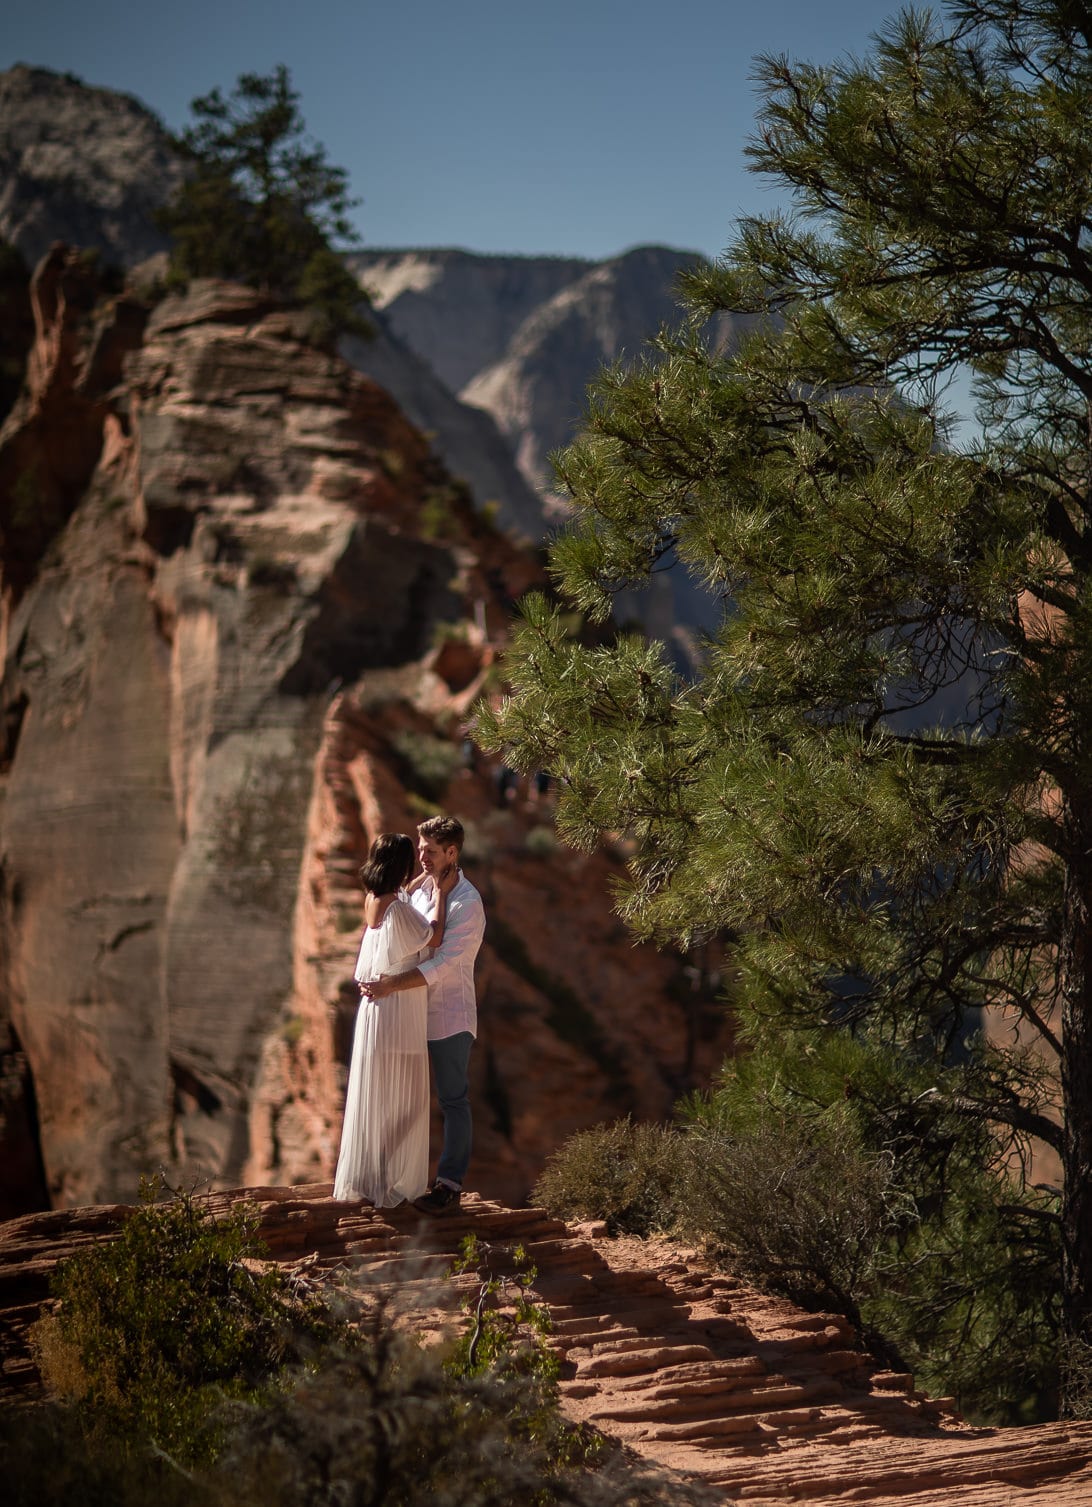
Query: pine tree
point(261, 205)
point(882, 778)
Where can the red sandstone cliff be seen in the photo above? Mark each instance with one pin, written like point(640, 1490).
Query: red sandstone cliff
point(241, 603)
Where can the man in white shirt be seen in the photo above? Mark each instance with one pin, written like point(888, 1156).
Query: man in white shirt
point(452, 1004)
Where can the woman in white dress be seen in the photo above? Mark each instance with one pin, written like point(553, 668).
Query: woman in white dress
point(384, 1137)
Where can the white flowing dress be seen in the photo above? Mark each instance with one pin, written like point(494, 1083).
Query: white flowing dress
point(384, 1138)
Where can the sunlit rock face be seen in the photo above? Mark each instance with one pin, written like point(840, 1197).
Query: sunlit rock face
point(245, 616)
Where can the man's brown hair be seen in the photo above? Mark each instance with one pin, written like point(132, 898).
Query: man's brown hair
point(447, 831)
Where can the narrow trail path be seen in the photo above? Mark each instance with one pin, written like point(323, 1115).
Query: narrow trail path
point(692, 1369)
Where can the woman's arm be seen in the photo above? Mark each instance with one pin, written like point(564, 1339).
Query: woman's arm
point(393, 983)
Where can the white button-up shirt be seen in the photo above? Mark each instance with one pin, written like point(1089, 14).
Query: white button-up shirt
point(449, 970)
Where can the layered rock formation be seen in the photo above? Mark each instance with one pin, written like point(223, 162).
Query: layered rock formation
point(689, 1367)
point(244, 613)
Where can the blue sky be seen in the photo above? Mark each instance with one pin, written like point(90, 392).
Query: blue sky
point(580, 127)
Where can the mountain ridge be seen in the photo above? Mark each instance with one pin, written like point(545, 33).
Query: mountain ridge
point(491, 355)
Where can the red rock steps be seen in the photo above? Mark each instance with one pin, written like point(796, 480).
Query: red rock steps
point(692, 1369)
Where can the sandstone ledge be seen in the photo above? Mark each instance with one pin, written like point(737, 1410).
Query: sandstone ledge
point(691, 1368)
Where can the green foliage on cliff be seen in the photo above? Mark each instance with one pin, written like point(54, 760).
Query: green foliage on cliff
point(623, 1173)
point(262, 205)
point(882, 781)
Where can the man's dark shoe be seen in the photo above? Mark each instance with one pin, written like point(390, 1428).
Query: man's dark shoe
point(439, 1199)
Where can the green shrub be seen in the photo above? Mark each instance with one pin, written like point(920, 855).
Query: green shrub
point(625, 1174)
point(447, 632)
point(429, 763)
point(969, 1294)
point(440, 511)
point(52, 1459)
point(1076, 1375)
point(391, 1424)
point(155, 1327)
point(505, 1321)
point(541, 842)
point(858, 1172)
point(506, 1335)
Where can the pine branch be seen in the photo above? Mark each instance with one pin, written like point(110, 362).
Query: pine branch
point(1015, 1116)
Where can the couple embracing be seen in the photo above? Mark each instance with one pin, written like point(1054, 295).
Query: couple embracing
point(415, 971)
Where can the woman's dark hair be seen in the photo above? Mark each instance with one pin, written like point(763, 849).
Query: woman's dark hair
point(390, 863)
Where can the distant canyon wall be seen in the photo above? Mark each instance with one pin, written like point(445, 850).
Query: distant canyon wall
point(521, 340)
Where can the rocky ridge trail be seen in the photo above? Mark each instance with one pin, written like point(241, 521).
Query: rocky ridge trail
point(691, 1368)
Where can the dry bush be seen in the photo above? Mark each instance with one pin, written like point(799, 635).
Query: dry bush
point(58, 1359)
point(791, 1200)
point(623, 1173)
